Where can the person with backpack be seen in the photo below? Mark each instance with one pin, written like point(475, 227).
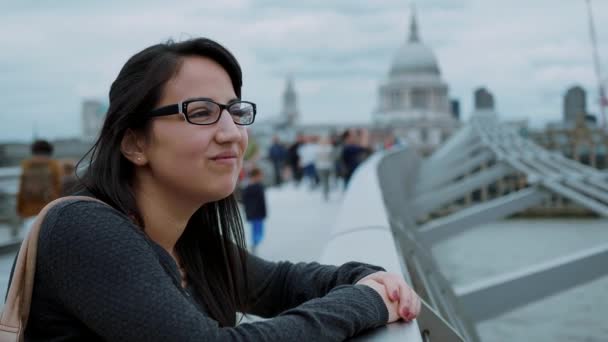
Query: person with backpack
point(40, 181)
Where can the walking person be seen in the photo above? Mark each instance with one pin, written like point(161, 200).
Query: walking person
point(164, 259)
point(308, 152)
point(277, 154)
point(354, 152)
point(324, 163)
point(293, 158)
point(254, 201)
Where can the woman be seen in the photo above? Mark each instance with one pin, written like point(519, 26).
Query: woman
point(165, 259)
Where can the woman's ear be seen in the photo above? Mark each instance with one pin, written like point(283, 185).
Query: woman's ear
point(132, 147)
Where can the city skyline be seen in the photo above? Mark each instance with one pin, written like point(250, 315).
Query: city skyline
point(527, 55)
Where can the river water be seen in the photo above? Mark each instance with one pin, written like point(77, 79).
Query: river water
point(579, 314)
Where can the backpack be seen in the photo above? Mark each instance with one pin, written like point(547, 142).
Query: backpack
point(38, 182)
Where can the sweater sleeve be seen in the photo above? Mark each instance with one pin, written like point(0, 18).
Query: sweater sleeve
point(107, 275)
point(278, 286)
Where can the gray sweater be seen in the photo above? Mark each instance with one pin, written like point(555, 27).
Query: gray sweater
point(99, 277)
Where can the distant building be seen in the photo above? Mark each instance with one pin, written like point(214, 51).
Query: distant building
point(93, 114)
point(289, 112)
point(577, 137)
point(582, 141)
point(284, 125)
point(413, 102)
point(483, 99)
point(575, 104)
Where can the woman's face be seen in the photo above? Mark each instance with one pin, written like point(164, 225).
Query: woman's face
point(200, 162)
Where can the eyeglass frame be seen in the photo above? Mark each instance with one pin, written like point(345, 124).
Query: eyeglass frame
point(182, 106)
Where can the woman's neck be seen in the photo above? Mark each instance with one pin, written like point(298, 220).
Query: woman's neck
point(164, 213)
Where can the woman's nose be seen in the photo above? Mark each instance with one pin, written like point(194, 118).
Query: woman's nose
point(227, 129)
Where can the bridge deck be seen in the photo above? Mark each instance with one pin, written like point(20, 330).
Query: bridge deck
point(298, 224)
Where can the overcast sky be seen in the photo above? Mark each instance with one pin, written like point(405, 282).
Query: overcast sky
point(527, 52)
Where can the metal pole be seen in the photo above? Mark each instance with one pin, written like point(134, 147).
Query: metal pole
point(596, 63)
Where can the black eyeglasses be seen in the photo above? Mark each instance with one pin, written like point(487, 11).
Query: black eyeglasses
point(204, 111)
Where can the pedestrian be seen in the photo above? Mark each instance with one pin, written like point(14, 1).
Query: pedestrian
point(324, 163)
point(39, 183)
point(277, 154)
point(308, 152)
point(354, 153)
point(293, 158)
point(164, 259)
point(254, 202)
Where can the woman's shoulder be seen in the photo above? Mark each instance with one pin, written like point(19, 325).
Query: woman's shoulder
point(79, 216)
point(82, 207)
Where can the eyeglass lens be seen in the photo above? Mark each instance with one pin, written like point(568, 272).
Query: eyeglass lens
point(207, 112)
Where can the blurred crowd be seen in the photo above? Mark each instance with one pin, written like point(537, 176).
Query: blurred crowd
point(324, 162)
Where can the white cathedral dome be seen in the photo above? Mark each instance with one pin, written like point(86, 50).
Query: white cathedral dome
point(414, 57)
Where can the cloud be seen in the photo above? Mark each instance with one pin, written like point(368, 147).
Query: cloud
point(526, 53)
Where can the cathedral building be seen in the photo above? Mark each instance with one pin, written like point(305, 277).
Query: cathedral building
point(413, 102)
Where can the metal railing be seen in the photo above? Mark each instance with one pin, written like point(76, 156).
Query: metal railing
point(362, 232)
point(8, 188)
point(397, 174)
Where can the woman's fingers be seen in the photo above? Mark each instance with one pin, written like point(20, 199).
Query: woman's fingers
point(391, 282)
point(391, 306)
point(406, 303)
point(393, 290)
point(409, 308)
point(398, 291)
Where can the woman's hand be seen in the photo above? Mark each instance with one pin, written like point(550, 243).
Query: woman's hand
point(401, 301)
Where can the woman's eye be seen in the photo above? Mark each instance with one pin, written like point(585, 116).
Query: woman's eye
point(199, 114)
point(238, 112)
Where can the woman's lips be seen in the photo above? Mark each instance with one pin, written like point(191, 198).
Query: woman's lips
point(225, 159)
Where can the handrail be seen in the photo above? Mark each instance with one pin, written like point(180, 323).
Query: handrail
point(8, 180)
point(398, 174)
point(9, 177)
point(362, 232)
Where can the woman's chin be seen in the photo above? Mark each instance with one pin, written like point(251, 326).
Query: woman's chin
point(219, 189)
point(223, 192)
